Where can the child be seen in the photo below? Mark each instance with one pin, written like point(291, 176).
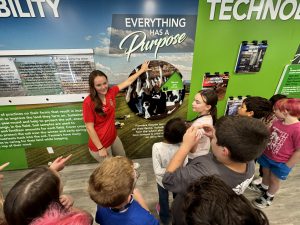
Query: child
point(269, 119)
point(55, 215)
point(162, 152)
point(205, 104)
point(259, 108)
point(236, 141)
point(2, 220)
point(34, 193)
point(282, 151)
point(211, 201)
point(112, 187)
point(256, 107)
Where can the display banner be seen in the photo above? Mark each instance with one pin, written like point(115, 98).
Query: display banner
point(289, 83)
point(48, 76)
point(42, 91)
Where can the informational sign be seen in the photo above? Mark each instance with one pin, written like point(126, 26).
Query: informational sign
point(158, 92)
point(289, 83)
point(233, 104)
point(217, 82)
point(49, 76)
point(250, 57)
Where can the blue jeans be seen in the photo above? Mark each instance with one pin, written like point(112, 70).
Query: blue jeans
point(164, 213)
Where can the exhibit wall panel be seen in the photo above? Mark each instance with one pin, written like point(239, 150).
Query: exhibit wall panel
point(217, 47)
point(47, 52)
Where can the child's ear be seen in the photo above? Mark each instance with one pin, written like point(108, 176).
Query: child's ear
point(226, 151)
point(208, 107)
point(250, 113)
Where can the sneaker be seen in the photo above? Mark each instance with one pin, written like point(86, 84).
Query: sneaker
point(257, 181)
point(136, 165)
point(157, 207)
point(257, 188)
point(263, 201)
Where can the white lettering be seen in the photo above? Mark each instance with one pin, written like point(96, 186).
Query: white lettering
point(213, 8)
point(154, 22)
point(4, 8)
point(14, 8)
point(253, 8)
point(282, 8)
point(235, 10)
point(228, 9)
point(269, 7)
point(224, 9)
point(144, 45)
point(54, 6)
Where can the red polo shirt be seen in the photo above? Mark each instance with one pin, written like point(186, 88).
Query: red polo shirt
point(104, 125)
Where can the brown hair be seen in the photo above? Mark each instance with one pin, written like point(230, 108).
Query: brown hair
point(93, 93)
point(245, 137)
point(210, 97)
point(209, 200)
point(31, 195)
point(112, 181)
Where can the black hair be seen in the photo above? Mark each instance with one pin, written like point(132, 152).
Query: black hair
point(174, 130)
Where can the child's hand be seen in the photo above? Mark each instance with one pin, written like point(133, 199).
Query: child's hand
point(67, 201)
point(1, 168)
point(208, 130)
point(59, 163)
point(190, 138)
point(200, 132)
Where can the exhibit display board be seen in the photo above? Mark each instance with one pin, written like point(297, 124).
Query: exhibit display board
point(44, 76)
point(221, 28)
point(42, 94)
point(289, 83)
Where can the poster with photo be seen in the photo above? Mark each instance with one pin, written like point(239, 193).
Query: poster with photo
point(232, 105)
point(217, 82)
point(158, 92)
point(250, 57)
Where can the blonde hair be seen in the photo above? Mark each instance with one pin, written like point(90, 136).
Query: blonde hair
point(112, 181)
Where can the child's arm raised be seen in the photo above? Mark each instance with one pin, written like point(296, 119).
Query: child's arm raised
point(190, 139)
point(139, 198)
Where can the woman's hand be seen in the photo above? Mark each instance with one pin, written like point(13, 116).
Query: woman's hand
point(145, 66)
point(103, 152)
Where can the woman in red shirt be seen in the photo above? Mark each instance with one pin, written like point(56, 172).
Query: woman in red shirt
point(99, 114)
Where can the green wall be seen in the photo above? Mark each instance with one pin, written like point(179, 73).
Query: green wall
point(217, 46)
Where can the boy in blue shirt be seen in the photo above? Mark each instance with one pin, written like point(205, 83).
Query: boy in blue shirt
point(112, 187)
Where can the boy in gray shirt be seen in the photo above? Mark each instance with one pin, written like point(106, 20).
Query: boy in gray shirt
point(235, 142)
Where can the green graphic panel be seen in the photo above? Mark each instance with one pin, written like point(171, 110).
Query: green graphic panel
point(173, 83)
point(17, 159)
point(42, 127)
point(217, 45)
point(290, 81)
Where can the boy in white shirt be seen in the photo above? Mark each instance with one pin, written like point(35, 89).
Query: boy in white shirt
point(162, 153)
